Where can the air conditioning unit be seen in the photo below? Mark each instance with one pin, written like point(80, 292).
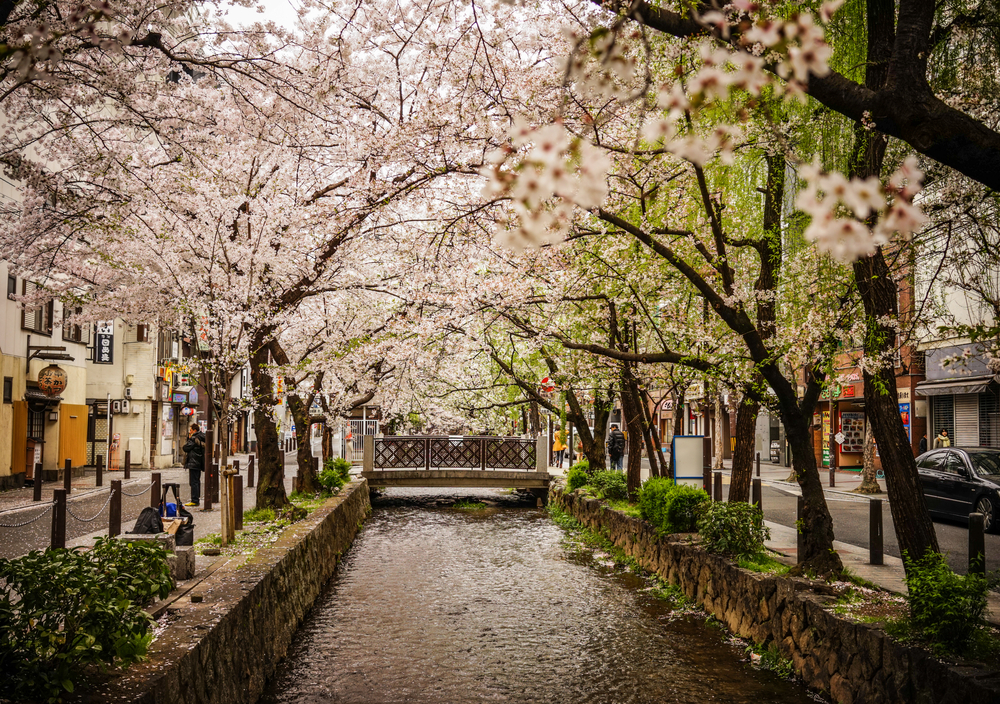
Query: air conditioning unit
point(128, 392)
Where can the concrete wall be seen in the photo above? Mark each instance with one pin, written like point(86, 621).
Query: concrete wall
point(853, 662)
point(225, 649)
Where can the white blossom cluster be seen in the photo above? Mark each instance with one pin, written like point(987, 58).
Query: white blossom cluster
point(549, 172)
point(840, 209)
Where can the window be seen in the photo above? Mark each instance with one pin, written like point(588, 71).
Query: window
point(36, 425)
point(8, 389)
point(954, 464)
point(11, 287)
point(73, 332)
point(38, 320)
point(932, 461)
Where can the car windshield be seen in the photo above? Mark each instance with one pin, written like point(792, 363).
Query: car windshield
point(986, 462)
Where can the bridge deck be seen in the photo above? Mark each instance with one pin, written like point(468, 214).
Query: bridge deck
point(460, 478)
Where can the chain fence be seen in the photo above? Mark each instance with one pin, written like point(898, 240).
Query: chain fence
point(45, 510)
point(97, 515)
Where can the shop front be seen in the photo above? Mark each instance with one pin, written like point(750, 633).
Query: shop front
point(963, 395)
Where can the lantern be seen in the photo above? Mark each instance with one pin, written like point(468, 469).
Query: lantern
point(52, 380)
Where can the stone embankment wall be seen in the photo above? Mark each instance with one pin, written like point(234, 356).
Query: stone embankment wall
point(853, 662)
point(224, 649)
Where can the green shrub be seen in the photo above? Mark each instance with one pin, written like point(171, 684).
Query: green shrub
point(64, 610)
point(734, 529)
point(672, 508)
point(945, 608)
point(685, 507)
point(577, 476)
point(610, 485)
point(336, 472)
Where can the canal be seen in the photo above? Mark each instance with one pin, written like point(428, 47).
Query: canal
point(439, 604)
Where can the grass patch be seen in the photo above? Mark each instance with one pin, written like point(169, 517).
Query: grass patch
point(768, 658)
point(258, 515)
point(764, 564)
point(309, 502)
point(629, 509)
point(466, 505)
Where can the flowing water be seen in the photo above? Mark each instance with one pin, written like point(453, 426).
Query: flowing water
point(438, 604)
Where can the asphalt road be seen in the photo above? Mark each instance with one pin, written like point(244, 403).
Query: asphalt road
point(851, 525)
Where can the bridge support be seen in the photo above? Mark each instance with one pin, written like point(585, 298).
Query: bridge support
point(368, 454)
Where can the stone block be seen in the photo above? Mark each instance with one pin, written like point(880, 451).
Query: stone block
point(181, 563)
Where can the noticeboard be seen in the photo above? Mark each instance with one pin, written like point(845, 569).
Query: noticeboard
point(688, 457)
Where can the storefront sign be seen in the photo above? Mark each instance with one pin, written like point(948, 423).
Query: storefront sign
point(904, 414)
point(903, 395)
point(826, 438)
point(104, 342)
point(52, 380)
point(853, 427)
point(847, 391)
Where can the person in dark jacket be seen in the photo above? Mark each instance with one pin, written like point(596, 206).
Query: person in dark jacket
point(922, 448)
point(195, 462)
point(616, 447)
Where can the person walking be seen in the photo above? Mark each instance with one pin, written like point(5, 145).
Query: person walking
point(559, 448)
point(942, 440)
point(616, 447)
point(195, 461)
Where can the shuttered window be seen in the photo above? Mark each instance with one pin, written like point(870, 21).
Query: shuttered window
point(943, 415)
point(989, 418)
point(966, 420)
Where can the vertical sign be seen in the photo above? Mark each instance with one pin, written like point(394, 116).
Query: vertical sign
point(826, 438)
point(104, 343)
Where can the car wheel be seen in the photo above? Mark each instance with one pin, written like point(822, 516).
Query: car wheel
point(985, 506)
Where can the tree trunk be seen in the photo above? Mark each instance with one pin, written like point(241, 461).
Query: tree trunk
point(270, 460)
point(634, 423)
point(646, 423)
point(817, 528)
point(869, 481)
point(746, 431)
point(306, 480)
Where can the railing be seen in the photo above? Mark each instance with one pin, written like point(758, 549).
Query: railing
point(457, 452)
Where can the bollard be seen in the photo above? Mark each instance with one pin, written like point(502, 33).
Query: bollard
point(800, 543)
point(37, 495)
point(100, 470)
point(154, 493)
point(128, 464)
point(237, 502)
point(250, 468)
point(977, 543)
point(706, 478)
point(833, 481)
point(758, 464)
point(115, 509)
point(875, 532)
point(755, 495)
point(59, 519)
point(717, 495)
point(236, 466)
point(215, 482)
point(68, 476)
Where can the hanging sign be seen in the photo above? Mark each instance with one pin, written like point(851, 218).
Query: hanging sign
point(52, 380)
point(104, 342)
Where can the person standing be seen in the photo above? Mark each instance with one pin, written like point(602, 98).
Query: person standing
point(942, 440)
point(195, 461)
point(922, 447)
point(616, 447)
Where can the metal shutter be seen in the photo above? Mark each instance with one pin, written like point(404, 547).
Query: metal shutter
point(943, 409)
point(967, 420)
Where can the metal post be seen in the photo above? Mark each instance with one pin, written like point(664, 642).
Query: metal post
point(833, 474)
point(875, 532)
point(756, 497)
point(427, 454)
point(128, 464)
point(800, 543)
point(717, 495)
point(37, 495)
point(100, 470)
point(115, 509)
point(209, 449)
point(977, 543)
point(154, 493)
point(68, 476)
point(706, 467)
point(238, 502)
point(59, 519)
point(758, 464)
point(250, 468)
point(236, 466)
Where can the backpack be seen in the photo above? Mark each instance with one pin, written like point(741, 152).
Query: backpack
point(617, 443)
point(148, 522)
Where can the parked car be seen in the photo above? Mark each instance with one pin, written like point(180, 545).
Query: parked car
point(959, 481)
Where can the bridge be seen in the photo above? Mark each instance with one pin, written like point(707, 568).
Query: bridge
point(456, 461)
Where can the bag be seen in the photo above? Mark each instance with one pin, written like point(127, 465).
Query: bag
point(148, 522)
point(169, 511)
point(185, 533)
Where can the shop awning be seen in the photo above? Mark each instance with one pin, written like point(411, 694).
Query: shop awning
point(948, 387)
